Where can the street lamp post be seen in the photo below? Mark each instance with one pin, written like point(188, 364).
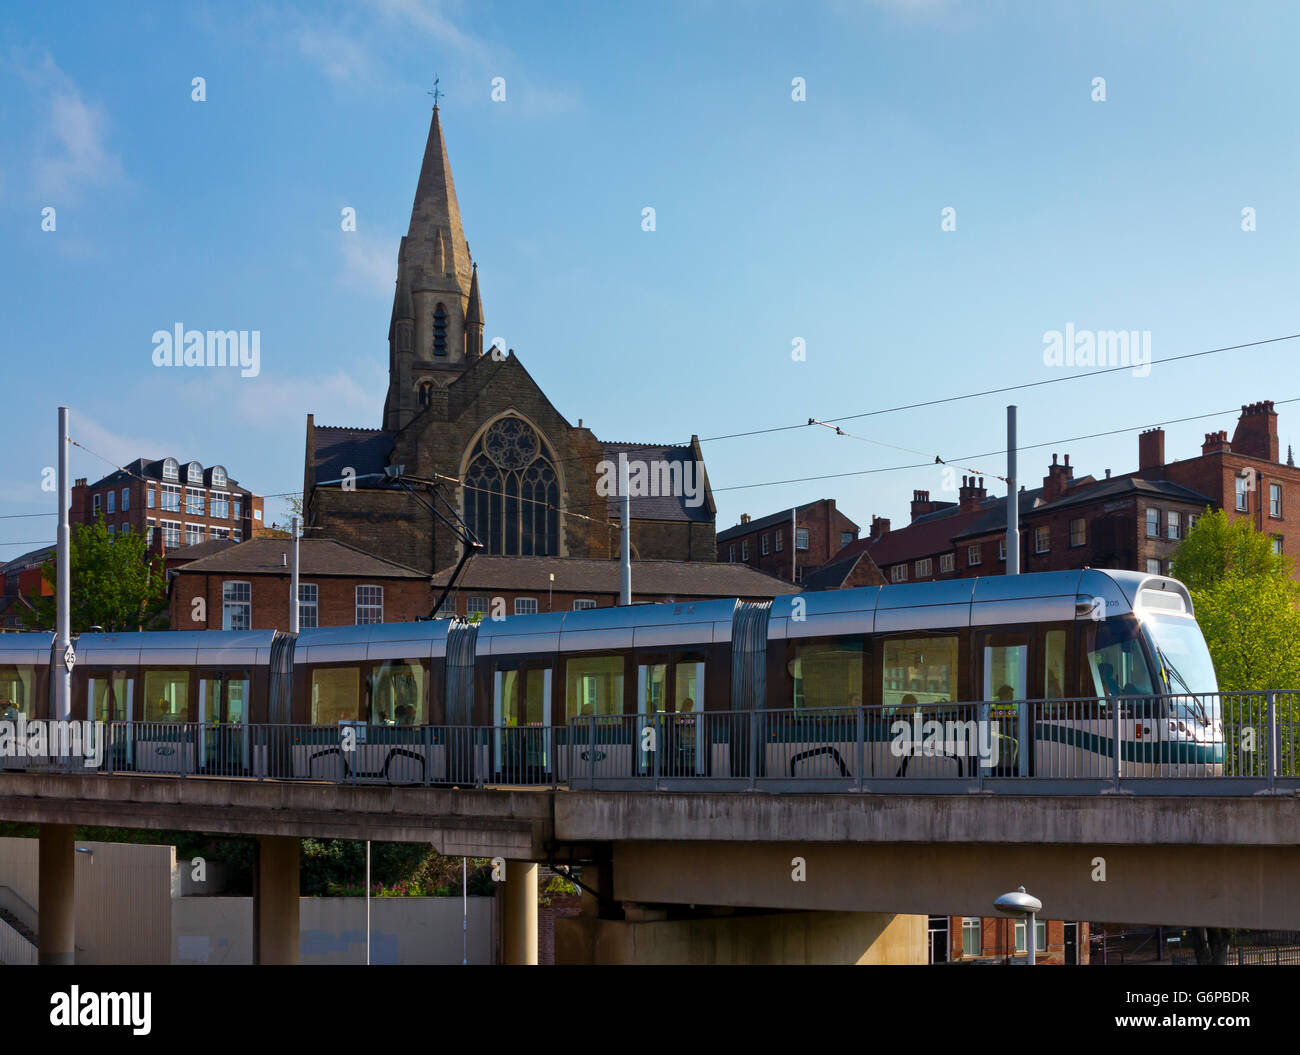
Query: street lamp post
point(1022, 905)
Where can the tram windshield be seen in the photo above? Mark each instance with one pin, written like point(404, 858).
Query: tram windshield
point(1116, 660)
point(1179, 650)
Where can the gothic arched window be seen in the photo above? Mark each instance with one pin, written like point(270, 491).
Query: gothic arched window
point(426, 392)
point(439, 330)
point(512, 492)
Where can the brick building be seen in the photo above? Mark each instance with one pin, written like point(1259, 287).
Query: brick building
point(23, 579)
point(175, 504)
point(477, 430)
point(246, 586)
point(970, 939)
point(818, 529)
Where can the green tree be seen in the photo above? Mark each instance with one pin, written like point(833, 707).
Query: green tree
point(115, 584)
point(1247, 603)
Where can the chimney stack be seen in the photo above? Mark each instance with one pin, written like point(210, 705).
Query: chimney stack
point(1256, 432)
point(1057, 479)
point(1151, 449)
point(879, 526)
point(744, 518)
point(1216, 442)
point(971, 494)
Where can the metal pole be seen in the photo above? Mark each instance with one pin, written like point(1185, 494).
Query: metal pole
point(63, 584)
point(464, 898)
point(367, 902)
point(625, 500)
point(794, 546)
point(1013, 498)
point(293, 580)
point(1031, 939)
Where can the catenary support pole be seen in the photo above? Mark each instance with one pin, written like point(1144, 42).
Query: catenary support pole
point(1013, 498)
point(625, 500)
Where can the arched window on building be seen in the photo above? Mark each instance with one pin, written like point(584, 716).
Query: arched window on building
point(426, 392)
point(439, 330)
point(512, 492)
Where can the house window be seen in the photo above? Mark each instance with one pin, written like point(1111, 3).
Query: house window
point(150, 526)
point(974, 556)
point(219, 507)
point(148, 497)
point(780, 541)
point(193, 534)
point(194, 502)
point(765, 544)
point(744, 550)
point(1153, 523)
point(1192, 518)
point(1174, 524)
point(582, 604)
point(215, 533)
point(1243, 498)
point(1274, 500)
point(970, 936)
point(947, 562)
point(525, 606)
point(439, 330)
point(923, 568)
point(308, 605)
point(1042, 539)
point(476, 606)
point(370, 605)
point(171, 469)
point(1277, 544)
point(171, 498)
point(1078, 532)
point(194, 473)
point(237, 507)
point(236, 606)
point(801, 538)
point(1153, 566)
point(94, 504)
point(112, 502)
point(731, 554)
point(237, 535)
point(845, 538)
point(112, 529)
point(1002, 549)
point(257, 514)
point(171, 531)
point(1040, 935)
point(219, 478)
point(126, 499)
point(898, 573)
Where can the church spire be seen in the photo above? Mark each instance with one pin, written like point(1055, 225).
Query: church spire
point(435, 221)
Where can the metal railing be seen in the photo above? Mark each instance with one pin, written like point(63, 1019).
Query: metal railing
point(1230, 743)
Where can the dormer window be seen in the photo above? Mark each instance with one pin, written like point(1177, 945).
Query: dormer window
point(171, 469)
point(194, 473)
point(219, 478)
point(439, 330)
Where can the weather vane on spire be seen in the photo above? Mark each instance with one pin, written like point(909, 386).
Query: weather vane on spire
point(435, 93)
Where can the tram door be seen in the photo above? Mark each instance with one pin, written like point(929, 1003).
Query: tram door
point(670, 706)
point(223, 722)
point(521, 707)
point(1004, 674)
point(110, 699)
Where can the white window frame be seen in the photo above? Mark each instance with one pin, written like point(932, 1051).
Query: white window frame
point(171, 469)
point(1002, 549)
point(924, 567)
point(171, 533)
point(230, 605)
point(582, 604)
point(1243, 495)
point(1174, 525)
point(1275, 501)
point(94, 504)
point(169, 499)
point(947, 562)
point(731, 553)
point(898, 573)
point(974, 556)
point(195, 502)
point(1153, 522)
point(525, 609)
point(477, 604)
point(1043, 539)
point(1156, 562)
point(780, 540)
point(764, 544)
point(195, 530)
point(192, 476)
point(801, 539)
point(369, 604)
point(1079, 538)
point(744, 550)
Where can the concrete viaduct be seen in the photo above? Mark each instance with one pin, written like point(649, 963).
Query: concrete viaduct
point(1224, 861)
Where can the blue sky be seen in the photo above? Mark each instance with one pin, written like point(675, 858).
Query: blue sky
point(775, 220)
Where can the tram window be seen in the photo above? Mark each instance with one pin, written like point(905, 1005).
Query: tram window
point(827, 674)
point(398, 696)
point(223, 698)
point(15, 691)
point(335, 695)
point(1054, 664)
point(1006, 671)
point(1116, 661)
point(593, 685)
point(166, 695)
point(523, 697)
point(654, 692)
point(919, 670)
point(689, 686)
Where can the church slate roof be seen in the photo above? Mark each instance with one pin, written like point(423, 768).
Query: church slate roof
point(662, 507)
point(594, 575)
point(267, 556)
point(362, 450)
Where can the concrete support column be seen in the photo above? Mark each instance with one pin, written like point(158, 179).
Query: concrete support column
point(519, 913)
point(275, 901)
point(57, 885)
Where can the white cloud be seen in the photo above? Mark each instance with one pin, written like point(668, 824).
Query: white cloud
point(427, 16)
point(337, 53)
point(105, 449)
point(72, 153)
point(369, 264)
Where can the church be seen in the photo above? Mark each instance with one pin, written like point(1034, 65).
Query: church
point(476, 428)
